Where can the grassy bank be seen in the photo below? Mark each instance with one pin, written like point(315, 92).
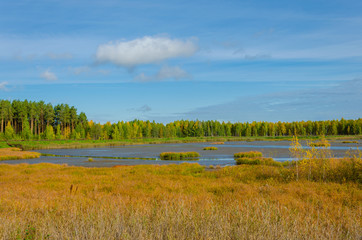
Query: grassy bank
point(54, 144)
point(16, 153)
point(46, 201)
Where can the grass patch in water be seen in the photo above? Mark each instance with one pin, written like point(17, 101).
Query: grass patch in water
point(210, 148)
point(179, 156)
point(251, 154)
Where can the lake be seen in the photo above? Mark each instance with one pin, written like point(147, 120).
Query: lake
point(149, 153)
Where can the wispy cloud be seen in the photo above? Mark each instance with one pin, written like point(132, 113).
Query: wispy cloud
point(145, 108)
point(3, 86)
point(146, 50)
point(48, 75)
point(166, 72)
point(308, 104)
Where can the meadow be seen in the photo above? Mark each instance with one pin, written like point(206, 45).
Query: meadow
point(185, 201)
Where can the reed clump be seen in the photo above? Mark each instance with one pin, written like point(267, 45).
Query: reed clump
point(258, 161)
point(179, 156)
point(349, 141)
point(16, 154)
point(322, 143)
point(210, 148)
point(217, 143)
point(251, 154)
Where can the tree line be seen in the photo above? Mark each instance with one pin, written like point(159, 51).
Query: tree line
point(38, 120)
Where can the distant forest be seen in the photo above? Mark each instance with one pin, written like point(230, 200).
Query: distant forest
point(37, 120)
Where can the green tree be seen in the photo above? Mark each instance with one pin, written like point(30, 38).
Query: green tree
point(115, 132)
point(9, 132)
point(26, 133)
point(49, 133)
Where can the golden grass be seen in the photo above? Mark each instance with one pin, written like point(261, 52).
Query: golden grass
point(210, 148)
point(217, 143)
point(16, 153)
point(46, 201)
point(251, 154)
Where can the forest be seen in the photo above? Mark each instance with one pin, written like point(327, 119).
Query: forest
point(28, 120)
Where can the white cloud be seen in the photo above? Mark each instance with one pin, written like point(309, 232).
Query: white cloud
point(145, 50)
point(48, 75)
point(165, 72)
point(3, 86)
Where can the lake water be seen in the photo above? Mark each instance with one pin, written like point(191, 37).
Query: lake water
point(149, 154)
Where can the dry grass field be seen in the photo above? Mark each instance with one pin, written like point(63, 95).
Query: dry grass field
point(185, 201)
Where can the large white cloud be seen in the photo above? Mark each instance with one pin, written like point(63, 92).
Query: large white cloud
point(145, 50)
point(48, 75)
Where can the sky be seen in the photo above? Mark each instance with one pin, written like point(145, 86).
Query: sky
point(237, 61)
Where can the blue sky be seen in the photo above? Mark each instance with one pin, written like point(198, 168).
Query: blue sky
point(168, 60)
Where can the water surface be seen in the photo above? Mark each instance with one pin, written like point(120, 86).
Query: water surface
point(149, 153)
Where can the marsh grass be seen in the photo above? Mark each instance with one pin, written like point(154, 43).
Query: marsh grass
point(217, 143)
point(322, 143)
point(251, 154)
point(46, 201)
point(210, 148)
point(258, 161)
point(350, 142)
point(179, 156)
point(16, 153)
